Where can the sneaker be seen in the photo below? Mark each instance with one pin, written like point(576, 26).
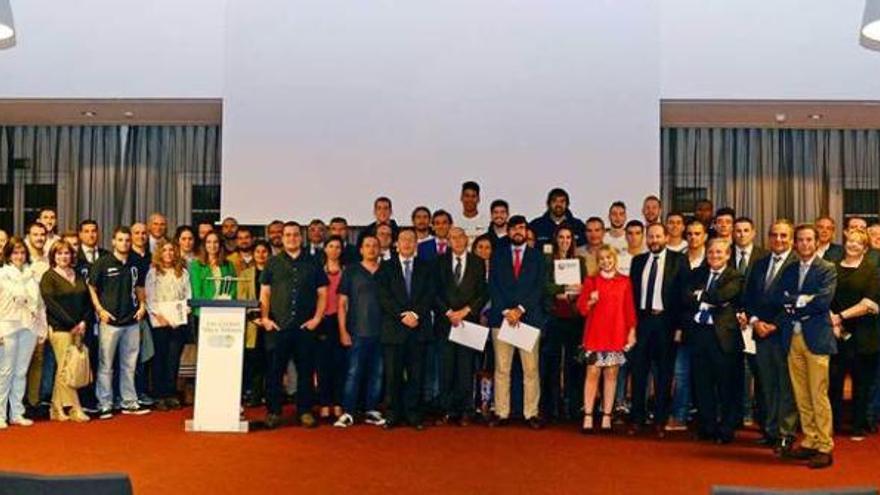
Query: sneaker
point(146, 400)
point(675, 425)
point(135, 410)
point(105, 413)
point(22, 421)
point(344, 421)
point(374, 418)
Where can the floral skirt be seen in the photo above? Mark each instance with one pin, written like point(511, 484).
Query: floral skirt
point(605, 359)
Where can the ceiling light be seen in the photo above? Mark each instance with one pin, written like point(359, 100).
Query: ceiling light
point(870, 33)
point(7, 26)
point(816, 116)
point(128, 114)
point(89, 113)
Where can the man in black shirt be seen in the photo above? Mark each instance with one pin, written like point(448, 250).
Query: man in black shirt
point(293, 296)
point(116, 284)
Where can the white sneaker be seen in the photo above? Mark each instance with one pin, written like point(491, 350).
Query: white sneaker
point(21, 422)
point(374, 418)
point(344, 421)
point(135, 410)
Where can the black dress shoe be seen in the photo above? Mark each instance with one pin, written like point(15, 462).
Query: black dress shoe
point(419, 426)
point(635, 430)
point(784, 446)
point(723, 439)
point(660, 431)
point(820, 461)
point(465, 421)
point(273, 421)
point(496, 422)
point(535, 423)
point(801, 454)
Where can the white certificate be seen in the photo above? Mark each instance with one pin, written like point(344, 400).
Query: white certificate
point(567, 272)
point(522, 336)
point(173, 311)
point(748, 340)
point(469, 335)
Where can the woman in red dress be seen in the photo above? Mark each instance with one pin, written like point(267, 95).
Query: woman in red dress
point(609, 331)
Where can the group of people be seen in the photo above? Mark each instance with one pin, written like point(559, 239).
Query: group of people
point(673, 320)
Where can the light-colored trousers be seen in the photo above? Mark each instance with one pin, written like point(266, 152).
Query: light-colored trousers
point(809, 381)
point(62, 395)
point(531, 379)
point(15, 356)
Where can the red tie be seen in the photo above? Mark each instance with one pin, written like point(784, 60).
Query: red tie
point(517, 262)
point(442, 247)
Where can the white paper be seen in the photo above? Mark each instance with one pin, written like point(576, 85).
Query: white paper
point(748, 340)
point(173, 311)
point(567, 272)
point(522, 336)
point(470, 335)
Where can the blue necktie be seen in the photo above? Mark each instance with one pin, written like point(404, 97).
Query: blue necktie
point(652, 280)
point(407, 276)
point(704, 313)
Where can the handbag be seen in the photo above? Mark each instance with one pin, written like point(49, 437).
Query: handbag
point(76, 371)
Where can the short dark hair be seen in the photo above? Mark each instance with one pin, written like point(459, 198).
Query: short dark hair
point(336, 238)
point(382, 199)
point(516, 220)
point(418, 209)
point(725, 211)
point(594, 220)
point(744, 220)
point(617, 204)
point(695, 222)
point(558, 192)
point(36, 224)
point(291, 223)
point(806, 226)
point(675, 214)
point(656, 224)
point(364, 237)
point(316, 221)
point(83, 223)
point(339, 220)
point(441, 213)
point(499, 203)
point(122, 229)
point(634, 223)
point(264, 243)
point(703, 201)
point(470, 186)
point(181, 229)
point(652, 197)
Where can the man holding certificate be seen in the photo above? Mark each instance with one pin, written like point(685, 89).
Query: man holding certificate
point(460, 295)
point(516, 290)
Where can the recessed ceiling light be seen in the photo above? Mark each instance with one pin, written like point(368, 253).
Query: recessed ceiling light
point(816, 116)
point(89, 113)
point(128, 114)
point(781, 117)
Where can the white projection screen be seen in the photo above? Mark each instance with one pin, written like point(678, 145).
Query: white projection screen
point(329, 104)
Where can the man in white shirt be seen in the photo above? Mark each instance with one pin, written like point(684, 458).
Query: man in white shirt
point(675, 227)
point(616, 234)
point(635, 245)
point(473, 223)
point(158, 227)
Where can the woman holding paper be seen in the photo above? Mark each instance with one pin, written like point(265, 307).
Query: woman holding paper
point(610, 330)
point(69, 311)
point(565, 271)
point(167, 289)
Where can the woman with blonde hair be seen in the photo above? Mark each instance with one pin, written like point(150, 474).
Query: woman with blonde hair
point(606, 302)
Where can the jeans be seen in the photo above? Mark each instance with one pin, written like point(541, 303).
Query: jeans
point(681, 394)
point(15, 356)
point(168, 343)
point(364, 364)
point(127, 339)
point(47, 380)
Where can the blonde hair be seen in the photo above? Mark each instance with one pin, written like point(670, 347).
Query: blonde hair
point(858, 236)
point(605, 248)
point(177, 265)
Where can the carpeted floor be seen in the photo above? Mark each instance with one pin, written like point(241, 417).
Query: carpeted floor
point(161, 458)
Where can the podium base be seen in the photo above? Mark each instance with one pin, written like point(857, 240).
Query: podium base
point(190, 426)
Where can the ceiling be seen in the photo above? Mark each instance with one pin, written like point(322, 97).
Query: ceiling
point(800, 114)
point(103, 111)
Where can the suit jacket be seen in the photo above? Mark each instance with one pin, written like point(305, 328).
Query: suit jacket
point(756, 302)
point(428, 250)
point(676, 272)
point(814, 316)
point(507, 291)
point(83, 266)
point(472, 291)
point(834, 253)
point(724, 297)
point(758, 253)
point(395, 301)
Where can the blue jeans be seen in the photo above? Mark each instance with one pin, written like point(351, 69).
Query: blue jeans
point(681, 396)
point(364, 360)
point(15, 356)
point(127, 339)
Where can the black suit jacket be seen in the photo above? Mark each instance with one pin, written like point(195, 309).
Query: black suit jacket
point(758, 253)
point(724, 296)
point(507, 291)
point(756, 301)
point(83, 266)
point(676, 271)
point(395, 301)
point(473, 290)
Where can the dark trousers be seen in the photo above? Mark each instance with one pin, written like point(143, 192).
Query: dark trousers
point(750, 404)
point(457, 384)
point(404, 372)
point(862, 369)
point(330, 362)
point(168, 343)
point(281, 346)
point(715, 381)
point(254, 369)
point(780, 410)
point(654, 349)
point(562, 379)
point(87, 396)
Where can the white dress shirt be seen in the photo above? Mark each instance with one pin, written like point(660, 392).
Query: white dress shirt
point(744, 254)
point(455, 258)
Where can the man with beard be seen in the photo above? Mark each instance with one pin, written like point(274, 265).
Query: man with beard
point(652, 209)
point(229, 229)
point(557, 213)
point(421, 221)
point(497, 232)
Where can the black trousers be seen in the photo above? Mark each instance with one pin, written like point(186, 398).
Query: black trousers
point(281, 346)
point(404, 371)
point(562, 378)
point(654, 349)
point(457, 380)
point(862, 368)
point(715, 382)
point(330, 362)
point(254, 369)
point(168, 343)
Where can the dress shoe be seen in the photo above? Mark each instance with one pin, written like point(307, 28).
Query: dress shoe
point(443, 420)
point(635, 430)
point(820, 461)
point(307, 420)
point(273, 421)
point(660, 431)
point(784, 447)
point(801, 454)
point(464, 421)
point(767, 441)
point(497, 422)
point(161, 405)
point(535, 423)
point(418, 426)
point(723, 439)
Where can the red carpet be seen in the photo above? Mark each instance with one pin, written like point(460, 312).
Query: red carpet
point(161, 458)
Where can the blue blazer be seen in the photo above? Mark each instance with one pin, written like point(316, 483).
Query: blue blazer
point(756, 301)
point(815, 316)
point(428, 250)
point(507, 291)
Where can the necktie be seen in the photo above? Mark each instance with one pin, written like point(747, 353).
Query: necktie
point(441, 247)
point(407, 276)
point(704, 313)
point(652, 280)
point(517, 262)
point(771, 272)
point(741, 266)
point(457, 270)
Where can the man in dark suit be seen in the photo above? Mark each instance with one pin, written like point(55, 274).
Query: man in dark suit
point(713, 336)
point(86, 255)
point(805, 290)
point(500, 211)
point(382, 211)
point(406, 296)
point(744, 255)
point(441, 222)
point(827, 249)
point(759, 311)
point(460, 295)
point(516, 289)
point(350, 252)
point(659, 278)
